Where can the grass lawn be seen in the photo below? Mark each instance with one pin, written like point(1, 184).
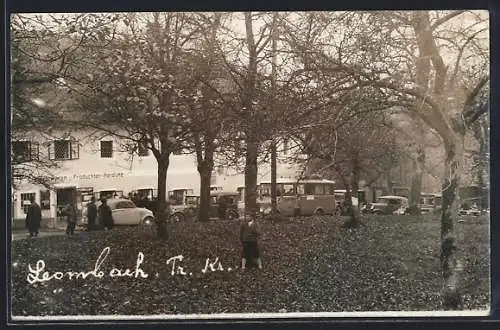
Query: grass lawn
point(310, 265)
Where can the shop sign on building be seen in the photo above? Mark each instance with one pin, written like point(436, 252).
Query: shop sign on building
point(89, 176)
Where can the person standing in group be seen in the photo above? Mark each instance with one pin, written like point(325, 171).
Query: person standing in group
point(70, 213)
point(249, 234)
point(91, 214)
point(105, 215)
point(33, 218)
point(222, 208)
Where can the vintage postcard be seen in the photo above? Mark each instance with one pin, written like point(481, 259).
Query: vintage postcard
point(226, 165)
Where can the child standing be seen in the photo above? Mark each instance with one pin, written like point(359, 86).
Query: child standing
point(249, 233)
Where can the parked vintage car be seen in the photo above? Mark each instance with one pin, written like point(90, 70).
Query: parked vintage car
point(148, 198)
point(231, 199)
point(430, 203)
point(389, 205)
point(188, 209)
point(193, 203)
point(471, 207)
point(471, 212)
point(125, 212)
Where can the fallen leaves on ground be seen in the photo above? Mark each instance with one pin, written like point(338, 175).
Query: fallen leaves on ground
point(310, 265)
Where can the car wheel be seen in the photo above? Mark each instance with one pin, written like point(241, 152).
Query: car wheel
point(148, 221)
point(231, 215)
point(177, 217)
point(338, 211)
point(191, 212)
point(147, 224)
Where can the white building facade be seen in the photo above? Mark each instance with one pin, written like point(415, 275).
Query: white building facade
point(90, 166)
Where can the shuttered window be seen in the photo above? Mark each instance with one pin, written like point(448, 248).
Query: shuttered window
point(24, 151)
point(106, 149)
point(64, 149)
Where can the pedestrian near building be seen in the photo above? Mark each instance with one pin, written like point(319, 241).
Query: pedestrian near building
point(105, 215)
point(222, 208)
point(70, 213)
point(33, 218)
point(249, 234)
point(91, 214)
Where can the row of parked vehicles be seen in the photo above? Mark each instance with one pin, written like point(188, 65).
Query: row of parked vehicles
point(304, 197)
point(140, 207)
point(429, 203)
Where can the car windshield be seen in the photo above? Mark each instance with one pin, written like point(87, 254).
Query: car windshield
point(339, 195)
point(192, 200)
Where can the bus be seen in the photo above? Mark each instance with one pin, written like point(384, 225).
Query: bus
point(302, 197)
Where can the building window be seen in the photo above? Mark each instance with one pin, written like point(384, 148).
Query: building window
point(24, 151)
point(309, 188)
point(64, 149)
point(45, 199)
point(26, 201)
point(142, 149)
point(106, 149)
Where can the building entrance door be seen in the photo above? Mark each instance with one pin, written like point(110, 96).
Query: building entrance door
point(63, 197)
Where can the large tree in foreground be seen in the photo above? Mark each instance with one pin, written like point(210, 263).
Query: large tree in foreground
point(403, 53)
point(140, 91)
point(210, 105)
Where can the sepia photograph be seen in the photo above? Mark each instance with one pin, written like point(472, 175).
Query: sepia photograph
point(239, 165)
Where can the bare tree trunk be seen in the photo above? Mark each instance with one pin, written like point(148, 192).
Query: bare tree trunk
point(481, 169)
point(355, 178)
point(251, 179)
point(274, 203)
point(205, 169)
point(205, 145)
point(390, 189)
point(251, 136)
point(274, 154)
point(416, 181)
point(161, 206)
point(451, 266)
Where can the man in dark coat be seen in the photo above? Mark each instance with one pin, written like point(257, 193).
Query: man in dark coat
point(105, 215)
point(33, 218)
point(222, 208)
point(91, 214)
point(70, 213)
